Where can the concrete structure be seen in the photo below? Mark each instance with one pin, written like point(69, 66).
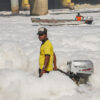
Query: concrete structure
point(5, 5)
point(39, 7)
point(15, 6)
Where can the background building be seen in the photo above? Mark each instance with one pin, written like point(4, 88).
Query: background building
point(5, 5)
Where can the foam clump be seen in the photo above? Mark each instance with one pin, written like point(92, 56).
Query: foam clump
point(12, 56)
point(20, 85)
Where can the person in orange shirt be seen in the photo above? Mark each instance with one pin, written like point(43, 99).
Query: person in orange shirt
point(79, 17)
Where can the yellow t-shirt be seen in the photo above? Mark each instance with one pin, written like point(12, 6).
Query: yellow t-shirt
point(46, 49)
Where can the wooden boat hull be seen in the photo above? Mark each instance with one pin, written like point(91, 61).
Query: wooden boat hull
point(56, 22)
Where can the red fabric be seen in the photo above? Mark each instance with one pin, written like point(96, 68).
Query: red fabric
point(79, 18)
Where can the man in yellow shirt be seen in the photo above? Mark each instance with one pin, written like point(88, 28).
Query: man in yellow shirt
point(47, 57)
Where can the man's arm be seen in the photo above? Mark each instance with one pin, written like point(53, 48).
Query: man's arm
point(54, 62)
point(46, 62)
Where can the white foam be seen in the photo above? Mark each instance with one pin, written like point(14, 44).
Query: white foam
point(19, 52)
point(19, 85)
point(12, 57)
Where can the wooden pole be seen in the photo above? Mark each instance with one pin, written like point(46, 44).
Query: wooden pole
point(39, 7)
point(25, 5)
point(15, 6)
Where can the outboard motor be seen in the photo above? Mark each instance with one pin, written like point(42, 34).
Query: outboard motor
point(88, 20)
point(80, 70)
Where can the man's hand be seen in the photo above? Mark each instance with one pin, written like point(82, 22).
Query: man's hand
point(42, 72)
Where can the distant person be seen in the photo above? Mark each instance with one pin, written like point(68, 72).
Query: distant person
point(79, 17)
point(47, 57)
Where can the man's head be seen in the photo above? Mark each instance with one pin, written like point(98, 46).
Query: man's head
point(78, 14)
point(42, 33)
